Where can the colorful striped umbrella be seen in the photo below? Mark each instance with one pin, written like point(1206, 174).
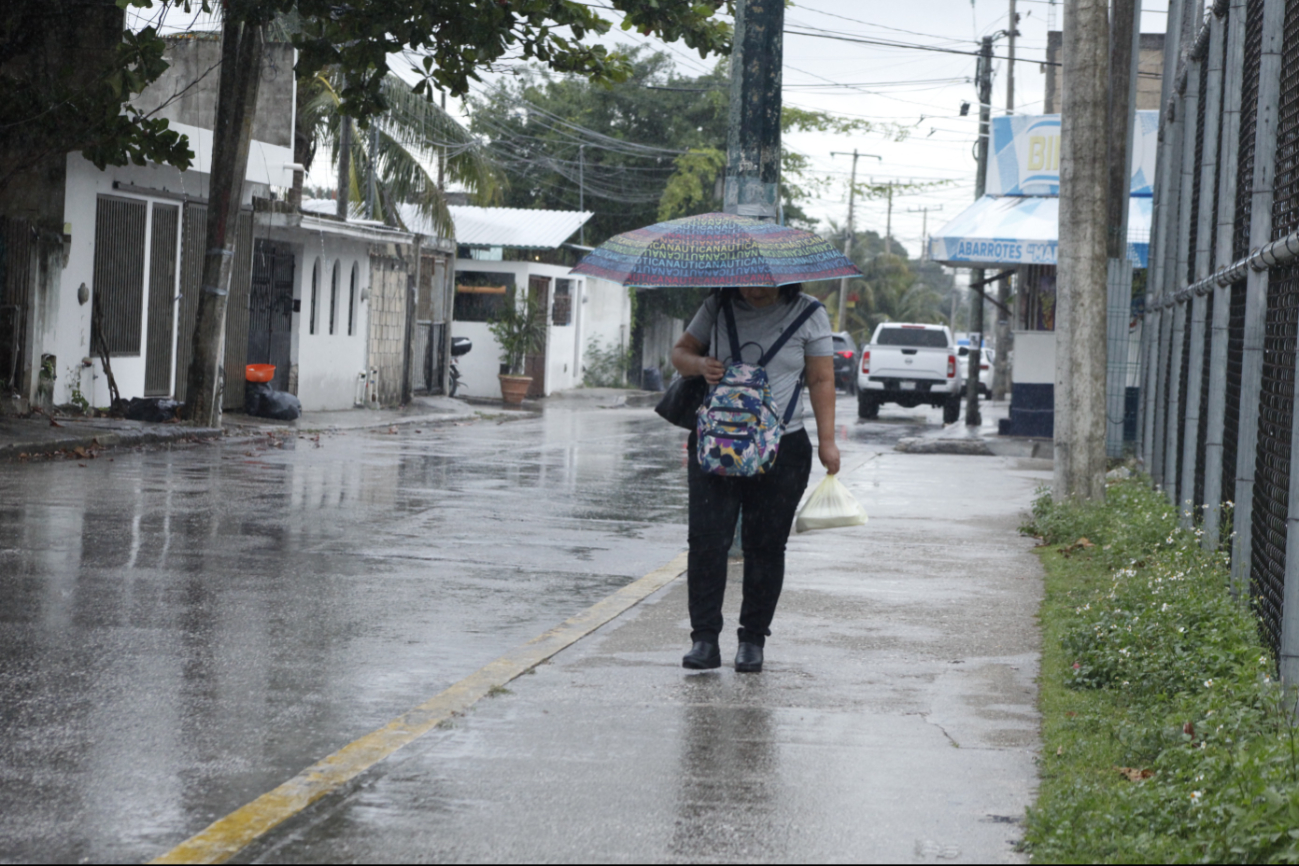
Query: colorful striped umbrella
point(715, 250)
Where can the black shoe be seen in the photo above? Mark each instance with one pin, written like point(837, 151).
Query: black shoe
point(703, 656)
point(748, 659)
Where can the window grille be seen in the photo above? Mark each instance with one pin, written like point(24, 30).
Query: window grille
point(119, 274)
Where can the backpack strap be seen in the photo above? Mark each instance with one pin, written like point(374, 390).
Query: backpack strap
point(793, 401)
point(798, 322)
point(732, 331)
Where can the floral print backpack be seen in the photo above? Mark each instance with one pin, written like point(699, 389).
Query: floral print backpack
point(738, 426)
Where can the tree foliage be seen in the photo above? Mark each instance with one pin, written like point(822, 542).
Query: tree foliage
point(68, 70)
point(413, 134)
point(893, 287)
point(649, 148)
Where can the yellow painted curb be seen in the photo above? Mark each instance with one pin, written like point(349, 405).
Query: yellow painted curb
point(227, 836)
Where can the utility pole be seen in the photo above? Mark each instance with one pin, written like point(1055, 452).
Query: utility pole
point(888, 223)
point(581, 186)
point(1013, 28)
point(442, 154)
point(344, 169)
point(371, 191)
point(847, 243)
point(1081, 272)
point(241, 59)
point(984, 78)
point(1125, 54)
point(924, 228)
point(1000, 363)
point(753, 129)
point(841, 319)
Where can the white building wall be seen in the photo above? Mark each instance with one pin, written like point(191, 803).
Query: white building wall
point(606, 313)
point(66, 331)
point(600, 309)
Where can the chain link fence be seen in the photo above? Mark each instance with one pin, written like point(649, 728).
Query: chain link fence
point(1222, 305)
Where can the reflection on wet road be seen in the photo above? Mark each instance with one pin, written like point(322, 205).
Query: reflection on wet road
point(183, 630)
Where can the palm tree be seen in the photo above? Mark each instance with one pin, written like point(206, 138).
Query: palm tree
point(401, 144)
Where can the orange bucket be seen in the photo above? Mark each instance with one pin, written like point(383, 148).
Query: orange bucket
point(260, 372)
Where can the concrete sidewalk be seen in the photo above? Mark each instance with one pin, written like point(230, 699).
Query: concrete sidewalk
point(37, 436)
point(895, 720)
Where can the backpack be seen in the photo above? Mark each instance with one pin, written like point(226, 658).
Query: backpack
point(738, 426)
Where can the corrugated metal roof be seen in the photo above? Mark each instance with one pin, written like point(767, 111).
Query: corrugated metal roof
point(504, 226)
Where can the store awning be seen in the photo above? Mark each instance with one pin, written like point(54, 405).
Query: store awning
point(1022, 230)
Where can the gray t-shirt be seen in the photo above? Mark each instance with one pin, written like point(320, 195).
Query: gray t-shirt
point(759, 327)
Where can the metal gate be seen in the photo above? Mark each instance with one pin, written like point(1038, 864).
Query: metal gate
point(270, 310)
point(15, 277)
point(534, 365)
point(162, 291)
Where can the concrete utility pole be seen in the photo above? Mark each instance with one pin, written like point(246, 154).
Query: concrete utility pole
point(753, 129)
point(241, 61)
point(442, 154)
point(1001, 363)
point(888, 224)
point(581, 186)
point(1013, 28)
point(924, 228)
point(1125, 45)
point(344, 169)
point(371, 179)
point(852, 234)
point(1081, 272)
point(984, 78)
point(847, 243)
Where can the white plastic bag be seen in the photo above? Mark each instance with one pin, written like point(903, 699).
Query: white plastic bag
point(830, 505)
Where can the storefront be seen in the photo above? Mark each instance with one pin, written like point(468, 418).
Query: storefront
point(1016, 227)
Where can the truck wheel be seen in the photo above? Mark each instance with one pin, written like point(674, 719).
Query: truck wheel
point(951, 411)
point(868, 407)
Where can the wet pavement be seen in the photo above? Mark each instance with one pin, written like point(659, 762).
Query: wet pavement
point(184, 629)
point(894, 722)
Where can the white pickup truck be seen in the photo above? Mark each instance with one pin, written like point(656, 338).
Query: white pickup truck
point(909, 365)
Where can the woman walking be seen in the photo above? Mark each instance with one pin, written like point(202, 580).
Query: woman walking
point(803, 361)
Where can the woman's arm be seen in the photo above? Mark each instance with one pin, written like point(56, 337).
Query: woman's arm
point(820, 388)
point(689, 358)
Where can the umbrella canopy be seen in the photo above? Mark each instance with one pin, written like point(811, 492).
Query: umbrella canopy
point(715, 250)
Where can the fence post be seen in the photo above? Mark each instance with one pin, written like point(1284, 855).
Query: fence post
point(1260, 233)
point(1233, 75)
point(1189, 411)
point(1179, 222)
point(1170, 185)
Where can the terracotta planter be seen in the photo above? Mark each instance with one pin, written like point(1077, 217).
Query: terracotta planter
point(514, 388)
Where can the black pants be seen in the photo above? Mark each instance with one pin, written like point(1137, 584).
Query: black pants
point(769, 502)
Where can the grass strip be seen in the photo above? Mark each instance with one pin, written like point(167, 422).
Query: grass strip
point(1166, 736)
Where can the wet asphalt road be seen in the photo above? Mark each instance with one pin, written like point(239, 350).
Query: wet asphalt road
point(182, 630)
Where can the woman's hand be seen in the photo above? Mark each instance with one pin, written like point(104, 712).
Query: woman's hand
point(689, 359)
point(828, 451)
point(712, 370)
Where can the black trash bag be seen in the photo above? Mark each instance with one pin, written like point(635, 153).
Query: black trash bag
point(261, 401)
point(651, 379)
point(157, 410)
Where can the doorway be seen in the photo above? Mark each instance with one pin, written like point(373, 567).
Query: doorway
point(534, 365)
point(270, 310)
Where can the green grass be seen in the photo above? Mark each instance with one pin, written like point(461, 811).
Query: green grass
point(1150, 665)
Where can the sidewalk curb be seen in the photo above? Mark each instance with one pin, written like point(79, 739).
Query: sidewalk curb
point(226, 837)
point(107, 438)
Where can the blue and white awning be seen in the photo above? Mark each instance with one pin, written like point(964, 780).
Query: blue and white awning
point(1000, 231)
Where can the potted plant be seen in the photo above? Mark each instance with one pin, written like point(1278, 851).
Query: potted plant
point(520, 331)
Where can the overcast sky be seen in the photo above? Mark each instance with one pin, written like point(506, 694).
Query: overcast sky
point(919, 89)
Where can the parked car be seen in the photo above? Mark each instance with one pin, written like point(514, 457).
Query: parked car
point(910, 365)
point(985, 368)
point(845, 362)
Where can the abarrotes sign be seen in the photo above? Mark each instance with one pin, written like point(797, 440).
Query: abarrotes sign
point(1025, 154)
